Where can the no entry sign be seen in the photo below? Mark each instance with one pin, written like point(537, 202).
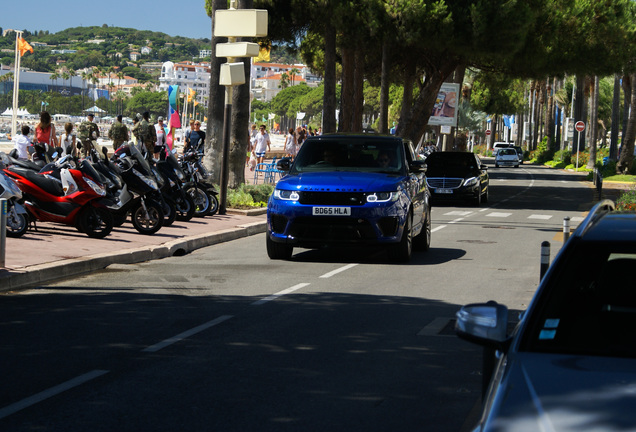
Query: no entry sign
point(579, 126)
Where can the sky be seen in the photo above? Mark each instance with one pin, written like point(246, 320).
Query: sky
point(175, 18)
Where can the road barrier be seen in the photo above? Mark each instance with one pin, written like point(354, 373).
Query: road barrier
point(597, 179)
point(566, 229)
point(545, 259)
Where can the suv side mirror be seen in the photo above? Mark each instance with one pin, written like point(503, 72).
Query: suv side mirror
point(417, 166)
point(483, 323)
point(284, 164)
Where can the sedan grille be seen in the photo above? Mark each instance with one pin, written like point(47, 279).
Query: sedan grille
point(333, 198)
point(444, 183)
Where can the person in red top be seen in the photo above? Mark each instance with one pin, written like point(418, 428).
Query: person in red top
point(45, 131)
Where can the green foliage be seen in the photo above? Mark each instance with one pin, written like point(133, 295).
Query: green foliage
point(627, 201)
point(541, 155)
point(249, 196)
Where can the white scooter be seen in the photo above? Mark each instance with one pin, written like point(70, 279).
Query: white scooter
point(17, 222)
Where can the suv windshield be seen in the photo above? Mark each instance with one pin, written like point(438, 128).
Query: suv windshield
point(351, 154)
point(589, 307)
point(450, 163)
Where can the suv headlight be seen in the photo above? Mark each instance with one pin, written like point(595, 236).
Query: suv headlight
point(471, 181)
point(383, 196)
point(286, 195)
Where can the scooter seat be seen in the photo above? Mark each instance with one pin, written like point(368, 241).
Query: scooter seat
point(49, 185)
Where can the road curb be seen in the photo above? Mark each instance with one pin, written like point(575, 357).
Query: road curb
point(48, 272)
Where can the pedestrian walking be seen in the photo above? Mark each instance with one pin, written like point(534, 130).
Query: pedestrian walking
point(118, 132)
point(261, 144)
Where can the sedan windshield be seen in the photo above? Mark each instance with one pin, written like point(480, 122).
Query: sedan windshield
point(358, 155)
point(589, 307)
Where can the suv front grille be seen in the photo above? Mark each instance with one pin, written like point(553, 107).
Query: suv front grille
point(444, 183)
point(333, 198)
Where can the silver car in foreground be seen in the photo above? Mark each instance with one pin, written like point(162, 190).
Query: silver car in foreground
point(570, 362)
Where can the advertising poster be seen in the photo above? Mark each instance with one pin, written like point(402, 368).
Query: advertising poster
point(445, 108)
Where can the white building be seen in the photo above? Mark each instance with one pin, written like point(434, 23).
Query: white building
point(187, 75)
point(265, 78)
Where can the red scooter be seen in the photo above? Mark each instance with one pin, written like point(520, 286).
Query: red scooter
point(73, 200)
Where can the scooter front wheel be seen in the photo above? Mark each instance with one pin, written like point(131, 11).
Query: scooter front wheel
point(201, 199)
point(17, 223)
point(149, 220)
point(95, 222)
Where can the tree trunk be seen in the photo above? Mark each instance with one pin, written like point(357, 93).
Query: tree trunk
point(627, 146)
point(613, 153)
point(407, 97)
point(414, 126)
point(358, 92)
point(550, 89)
point(329, 97)
point(593, 123)
point(347, 90)
point(579, 111)
point(239, 134)
point(383, 123)
point(216, 107)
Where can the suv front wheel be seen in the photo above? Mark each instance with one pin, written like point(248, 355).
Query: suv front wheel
point(278, 251)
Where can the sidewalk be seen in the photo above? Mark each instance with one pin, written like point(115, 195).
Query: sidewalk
point(57, 251)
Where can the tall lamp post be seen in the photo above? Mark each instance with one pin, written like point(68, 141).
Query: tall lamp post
point(234, 23)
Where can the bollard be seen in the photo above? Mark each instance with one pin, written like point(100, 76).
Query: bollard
point(566, 229)
point(545, 259)
point(3, 230)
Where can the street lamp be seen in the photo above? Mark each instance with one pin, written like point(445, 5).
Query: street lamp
point(234, 23)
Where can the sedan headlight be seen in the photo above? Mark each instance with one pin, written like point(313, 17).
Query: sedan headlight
point(286, 195)
point(383, 196)
point(471, 181)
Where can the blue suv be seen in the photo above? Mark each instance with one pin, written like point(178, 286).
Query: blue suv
point(351, 190)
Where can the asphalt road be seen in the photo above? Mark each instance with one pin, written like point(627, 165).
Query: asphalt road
point(225, 339)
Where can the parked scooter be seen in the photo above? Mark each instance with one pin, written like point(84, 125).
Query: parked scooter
point(17, 222)
point(202, 192)
point(174, 181)
point(73, 199)
point(146, 212)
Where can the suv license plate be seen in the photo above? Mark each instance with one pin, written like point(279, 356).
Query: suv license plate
point(331, 211)
point(444, 191)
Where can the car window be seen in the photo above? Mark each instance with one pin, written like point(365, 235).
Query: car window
point(589, 307)
point(350, 155)
point(507, 152)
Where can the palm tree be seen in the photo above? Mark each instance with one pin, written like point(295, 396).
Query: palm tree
point(85, 77)
point(65, 76)
point(120, 76)
point(110, 96)
point(6, 78)
point(293, 73)
point(284, 80)
point(54, 76)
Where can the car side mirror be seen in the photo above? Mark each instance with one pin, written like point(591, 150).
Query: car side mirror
point(418, 166)
point(284, 164)
point(484, 324)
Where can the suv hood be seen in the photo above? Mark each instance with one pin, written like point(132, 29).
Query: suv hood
point(565, 393)
point(341, 181)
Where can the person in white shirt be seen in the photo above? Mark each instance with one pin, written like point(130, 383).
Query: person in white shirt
point(68, 139)
point(22, 142)
point(161, 137)
point(261, 144)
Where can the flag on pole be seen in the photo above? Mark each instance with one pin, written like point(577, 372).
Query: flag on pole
point(23, 46)
point(174, 121)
